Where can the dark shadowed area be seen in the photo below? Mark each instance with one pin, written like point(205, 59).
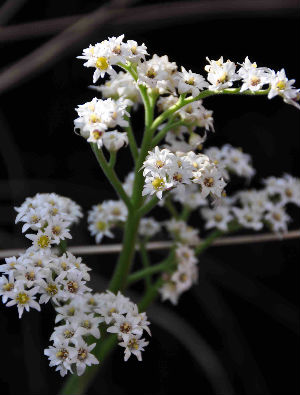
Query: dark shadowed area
point(236, 332)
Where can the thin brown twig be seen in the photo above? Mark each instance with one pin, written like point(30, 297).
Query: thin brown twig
point(61, 45)
point(142, 17)
point(9, 9)
point(163, 245)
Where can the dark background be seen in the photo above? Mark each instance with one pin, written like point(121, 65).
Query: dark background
point(242, 314)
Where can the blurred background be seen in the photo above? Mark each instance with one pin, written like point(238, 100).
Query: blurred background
point(237, 331)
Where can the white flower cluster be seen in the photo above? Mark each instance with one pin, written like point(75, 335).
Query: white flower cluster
point(81, 317)
point(164, 170)
point(40, 275)
point(39, 270)
point(253, 209)
point(50, 216)
point(120, 85)
point(96, 116)
point(111, 52)
point(222, 75)
point(104, 217)
point(231, 159)
point(185, 275)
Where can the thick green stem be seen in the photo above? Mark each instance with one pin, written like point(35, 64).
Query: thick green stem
point(125, 260)
point(111, 175)
point(145, 261)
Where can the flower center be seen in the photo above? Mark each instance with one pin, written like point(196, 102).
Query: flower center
point(208, 182)
point(22, 298)
point(223, 78)
point(97, 134)
point(280, 85)
point(101, 225)
point(68, 334)
point(276, 216)
point(159, 164)
point(86, 324)
point(82, 354)
point(133, 344)
point(125, 327)
point(8, 287)
point(62, 353)
point(158, 183)
point(43, 241)
point(72, 286)
point(102, 63)
point(56, 230)
point(30, 276)
point(190, 81)
point(151, 73)
point(218, 217)
point(255, 80)
point(51, 289)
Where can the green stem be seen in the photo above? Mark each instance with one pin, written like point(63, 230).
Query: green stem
point(184, 101)
point(148, 206)
point(145, 261)
point(185, 213)
point(110, 175)
point(62, 246)
point(171, 208)
point(122, 269)
point(208, 241)
point(140, 274)
point(112, 159)
point(162, 133)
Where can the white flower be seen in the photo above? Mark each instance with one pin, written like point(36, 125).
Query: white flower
point(73, 283)
point(134, 345)
point(248, 217)
point(277, 218)
point(156, 185)
point(217, 217)
point(211, 181)
point(120, 85)
point(125, 326)
point(6, 286)
point(88, 324)
point(283, 87)
point(114, 140)
point(99, 229)
point(62, 356)
point(58, 229)
point(23, 298)
point(169, 291)
point(52, 289)
point(69, 332)
point(221, 75)
point(157, 73)
point(149, 227)
point(41, 241)
point(189, 82)
point(254, 78)
point(84, 357)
